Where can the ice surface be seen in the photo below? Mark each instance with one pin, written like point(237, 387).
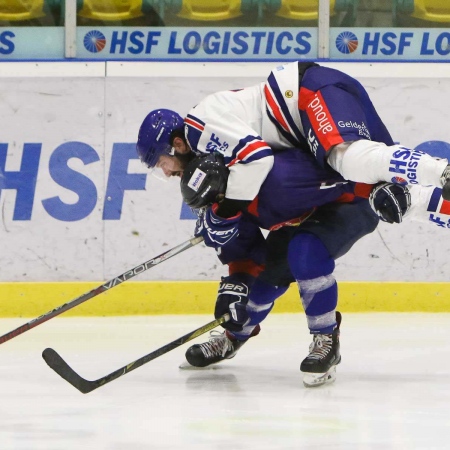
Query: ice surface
point(392, 389)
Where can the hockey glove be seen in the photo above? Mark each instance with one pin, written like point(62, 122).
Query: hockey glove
point(232, 298)
point(217, 231)
point(390, 201)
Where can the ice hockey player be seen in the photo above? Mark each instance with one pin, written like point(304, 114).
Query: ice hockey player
point(314, 217)
point(321, 217)
point(300, 105)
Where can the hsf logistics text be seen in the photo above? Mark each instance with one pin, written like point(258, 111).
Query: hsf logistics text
point(263, 42)
point(251, 43)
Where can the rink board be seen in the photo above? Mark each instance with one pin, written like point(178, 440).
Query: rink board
point(71, 177)
point(78, 207)
point(187, 297)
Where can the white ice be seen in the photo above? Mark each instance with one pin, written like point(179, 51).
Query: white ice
point(392, 389)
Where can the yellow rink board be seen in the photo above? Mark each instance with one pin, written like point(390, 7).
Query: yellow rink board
point(198, 297)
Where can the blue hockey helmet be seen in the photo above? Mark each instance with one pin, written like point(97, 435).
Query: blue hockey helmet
point(204, 178)
point(154, 135)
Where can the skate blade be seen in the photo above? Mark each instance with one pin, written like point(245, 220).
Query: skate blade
point(186, 366)
point(319, 379)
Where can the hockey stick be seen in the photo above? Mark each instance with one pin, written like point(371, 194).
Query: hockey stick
point(99, 290)
point(55, 362)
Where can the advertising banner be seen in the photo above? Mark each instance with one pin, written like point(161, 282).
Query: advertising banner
point(392, 44)
point(173, 44)
point(226, 43)
point(35, 43)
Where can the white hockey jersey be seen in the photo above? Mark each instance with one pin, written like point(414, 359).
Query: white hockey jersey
point(307, 108)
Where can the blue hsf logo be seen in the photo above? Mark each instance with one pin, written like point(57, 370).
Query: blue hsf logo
point(388, 43)
point(94, 41)
point(347, 42)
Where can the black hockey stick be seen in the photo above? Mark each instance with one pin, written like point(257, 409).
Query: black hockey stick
point(55, 362)
point(99, 290)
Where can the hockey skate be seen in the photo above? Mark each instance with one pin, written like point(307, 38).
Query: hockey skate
point(319, 367)
point(220, 346)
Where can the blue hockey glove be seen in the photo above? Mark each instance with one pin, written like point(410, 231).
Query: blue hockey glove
point(232, 298)
point(390, 201)
point(217, 231)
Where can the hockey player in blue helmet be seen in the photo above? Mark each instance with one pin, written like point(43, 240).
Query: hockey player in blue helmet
point(300, 105)
point(159, 132)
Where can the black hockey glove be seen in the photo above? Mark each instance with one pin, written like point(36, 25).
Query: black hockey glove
point(232, 298)
point(390, 201)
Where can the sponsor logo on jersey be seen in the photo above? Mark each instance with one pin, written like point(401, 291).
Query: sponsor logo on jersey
point(405, 162)
point(322, 123)
point(399, 180)
point(321, 114)
point(312, 141)
point(196, 179)
point(215, 145)
point(440, 222)
point(361, 127)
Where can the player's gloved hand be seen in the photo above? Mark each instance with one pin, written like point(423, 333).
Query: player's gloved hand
point(390, 201)
point(232, 298)
point(217, 231)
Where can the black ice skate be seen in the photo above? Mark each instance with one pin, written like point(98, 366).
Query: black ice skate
point(220, 346)
point(319, 367)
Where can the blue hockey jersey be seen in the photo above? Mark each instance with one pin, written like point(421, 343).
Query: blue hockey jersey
point(295, 187)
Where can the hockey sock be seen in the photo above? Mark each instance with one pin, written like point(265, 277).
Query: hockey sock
point(261, 300)
point(312, 267)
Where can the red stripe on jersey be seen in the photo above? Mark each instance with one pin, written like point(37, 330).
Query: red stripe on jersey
point(320, 117)
point(445, 207)
point(363, 189)
point(275, 109)
point(194, 124)
point(346, 197)
point(249, 148)
point(253, 207)
point(304, 97)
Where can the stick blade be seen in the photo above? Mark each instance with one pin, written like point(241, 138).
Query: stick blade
point(56, 363)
